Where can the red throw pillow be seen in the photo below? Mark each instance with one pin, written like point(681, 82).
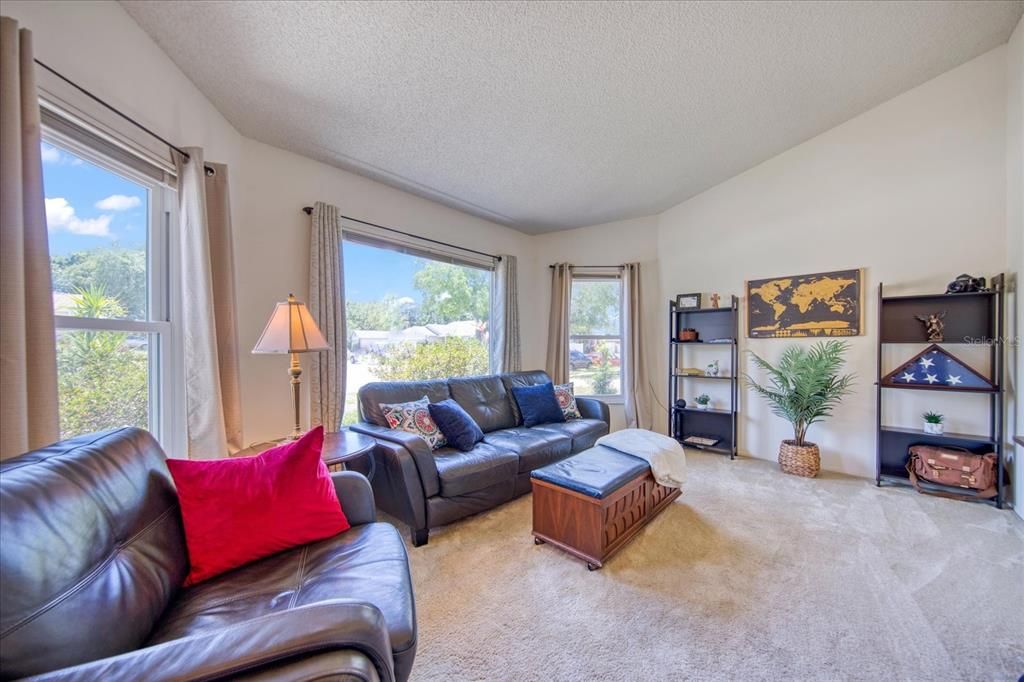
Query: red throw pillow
point(242, 509)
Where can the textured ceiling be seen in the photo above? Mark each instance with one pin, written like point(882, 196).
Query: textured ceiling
point(551, 115)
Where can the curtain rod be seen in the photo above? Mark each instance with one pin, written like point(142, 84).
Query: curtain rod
point(308, 210)
point(117, 111)
point(603, 267)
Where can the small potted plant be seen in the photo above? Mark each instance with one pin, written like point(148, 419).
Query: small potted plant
point(804, 387)
point(703, 401)
point(933, 423)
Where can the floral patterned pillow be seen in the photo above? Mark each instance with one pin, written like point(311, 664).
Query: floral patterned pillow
point(414, 417)
point(567, 401)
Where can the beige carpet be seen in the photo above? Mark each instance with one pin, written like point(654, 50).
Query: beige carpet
point(750, 575)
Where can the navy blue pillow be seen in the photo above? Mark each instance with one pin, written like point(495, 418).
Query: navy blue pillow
point(538, 404)
point(458, 427)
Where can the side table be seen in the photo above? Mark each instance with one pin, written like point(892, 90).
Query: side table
point(339, 449)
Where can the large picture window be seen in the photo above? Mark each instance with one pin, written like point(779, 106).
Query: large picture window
point(411, 317)
point(595, 336)
point(108, 237)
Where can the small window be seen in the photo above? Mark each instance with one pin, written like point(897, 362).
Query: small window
point(107, 227)
point(595, 336)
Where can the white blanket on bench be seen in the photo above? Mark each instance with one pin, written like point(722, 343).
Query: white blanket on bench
point(665, 455)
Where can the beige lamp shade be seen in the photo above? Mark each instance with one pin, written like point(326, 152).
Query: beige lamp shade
point(291, 329)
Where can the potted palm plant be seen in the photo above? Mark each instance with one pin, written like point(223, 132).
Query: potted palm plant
point(803, 388)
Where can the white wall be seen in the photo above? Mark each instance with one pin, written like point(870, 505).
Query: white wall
point(613, 243)
point(913, 191)
point(102, 48)
point(1015, 252)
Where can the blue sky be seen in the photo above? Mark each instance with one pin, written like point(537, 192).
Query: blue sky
point(88, 207)
point(372, 274)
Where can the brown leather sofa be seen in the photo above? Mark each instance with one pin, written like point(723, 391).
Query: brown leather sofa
point(429, 489)
point(93, 557)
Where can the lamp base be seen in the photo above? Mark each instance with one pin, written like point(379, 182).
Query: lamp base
point(295, 371)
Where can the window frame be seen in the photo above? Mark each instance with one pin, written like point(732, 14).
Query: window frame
point(597, 276)
point(166, 390)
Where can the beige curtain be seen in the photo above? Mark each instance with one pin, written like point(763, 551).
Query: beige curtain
point(28, 358)
point(634, 368)
point(558, 323)
point(225, 309)
point(504, 333)
point(326, 297)
point(209, 329)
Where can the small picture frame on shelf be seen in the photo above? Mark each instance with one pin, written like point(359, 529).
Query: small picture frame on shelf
point(688, 301)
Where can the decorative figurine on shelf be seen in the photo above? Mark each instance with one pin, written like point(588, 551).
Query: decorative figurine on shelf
point(965, 284)
point(703, 401)
point(712, 369)
point(934, 325)
point(715, 298)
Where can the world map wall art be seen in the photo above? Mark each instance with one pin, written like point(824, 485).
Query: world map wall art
point(822, 304)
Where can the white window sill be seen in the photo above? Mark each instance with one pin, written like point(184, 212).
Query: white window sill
point(609, 399)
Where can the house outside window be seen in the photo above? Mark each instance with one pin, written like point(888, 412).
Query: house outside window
point(110, 241)
point(595, 335)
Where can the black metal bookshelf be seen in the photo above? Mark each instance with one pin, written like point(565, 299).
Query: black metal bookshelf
point(715, 424)
point(971, 318)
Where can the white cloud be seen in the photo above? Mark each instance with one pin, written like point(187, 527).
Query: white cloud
point(61, 215)
point(118, 202)
point(50, 154)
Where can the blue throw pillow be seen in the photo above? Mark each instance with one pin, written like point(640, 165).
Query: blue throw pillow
point(458, 427)
point(538, 404)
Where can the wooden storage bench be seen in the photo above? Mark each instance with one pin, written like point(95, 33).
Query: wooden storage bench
point(593, 503)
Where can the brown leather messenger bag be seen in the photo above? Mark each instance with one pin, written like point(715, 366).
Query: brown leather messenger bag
point(954, 467)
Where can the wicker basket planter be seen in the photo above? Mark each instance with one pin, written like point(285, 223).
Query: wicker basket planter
point(799, 460)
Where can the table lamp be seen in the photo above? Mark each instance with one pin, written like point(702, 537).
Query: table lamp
point(291, 329)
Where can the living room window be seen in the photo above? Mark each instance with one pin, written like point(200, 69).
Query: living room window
point(595, 335)
point(412, 314)
point(108, 224)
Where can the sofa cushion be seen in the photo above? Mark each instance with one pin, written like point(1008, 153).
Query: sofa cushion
point(485, 399)
point(528, 378)
point(240, 509)
point(376, 393)
point(91, 542)
point(584, 432)
point(366, 564)
point(535, 447)
point(458, 427)
point(463, 472)
point(414, 417)
point(566, 395)
point(538, 404)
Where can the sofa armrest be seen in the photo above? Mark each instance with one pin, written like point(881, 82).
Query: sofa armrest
point(345, 664)
point(355, 496)
point(591, 408)
point(416, 446)
point(252, 646)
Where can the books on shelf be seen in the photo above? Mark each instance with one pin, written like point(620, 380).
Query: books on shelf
point(700, 440)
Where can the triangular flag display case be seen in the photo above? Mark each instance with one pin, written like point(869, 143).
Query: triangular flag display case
point(970, 319)
point(937, 369)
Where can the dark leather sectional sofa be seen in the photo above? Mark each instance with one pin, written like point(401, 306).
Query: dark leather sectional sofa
point(93, 554)
point(429, 489)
